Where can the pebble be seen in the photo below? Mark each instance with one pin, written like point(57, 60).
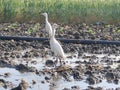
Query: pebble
point(49, 63)
point(22, 86)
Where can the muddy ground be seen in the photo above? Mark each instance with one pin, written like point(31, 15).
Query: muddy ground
point(94, 71)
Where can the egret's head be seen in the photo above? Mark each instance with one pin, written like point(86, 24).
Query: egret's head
point(55, 26)
point(45, 14)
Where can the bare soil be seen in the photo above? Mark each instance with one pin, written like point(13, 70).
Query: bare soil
point(22, 50)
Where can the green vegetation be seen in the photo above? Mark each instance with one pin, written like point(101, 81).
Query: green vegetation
point(12, 26)
point(33, 29)
point(91, 32)
point(118, 31)
point(65, 11)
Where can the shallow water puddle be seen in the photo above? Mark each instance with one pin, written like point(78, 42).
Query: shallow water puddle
point(16, 76)
point(84, 85)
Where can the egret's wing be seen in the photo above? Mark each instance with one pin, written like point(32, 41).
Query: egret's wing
point(59, 48)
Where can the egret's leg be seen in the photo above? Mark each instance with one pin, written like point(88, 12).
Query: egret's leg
point(60, 62)
point(56, 61)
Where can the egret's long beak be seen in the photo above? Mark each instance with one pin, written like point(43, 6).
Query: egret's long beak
point(56, 26)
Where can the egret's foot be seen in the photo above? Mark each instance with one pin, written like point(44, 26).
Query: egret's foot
point(55, 63)
point(62, 63)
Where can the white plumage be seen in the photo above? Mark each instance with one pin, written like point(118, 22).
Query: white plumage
point(55, 46)
point(48, 26)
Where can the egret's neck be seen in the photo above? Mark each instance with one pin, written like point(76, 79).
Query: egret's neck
point(46, 18)
point(53, 33)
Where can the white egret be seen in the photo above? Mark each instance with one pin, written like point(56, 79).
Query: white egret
point(48, 26)
point(55, 46)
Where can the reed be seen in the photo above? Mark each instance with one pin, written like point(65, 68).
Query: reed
point(61, 11)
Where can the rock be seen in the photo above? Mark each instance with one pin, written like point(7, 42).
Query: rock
point(49, 63)
point(88, 72)
point(22, 68)
point(77, 62)
point(47, 78)
point(69, 56)
point(65, 75)
point(43, 82)
point(6, 74)
point(22, 86)
point(76, 35)
point(99, 88)
point(3, 83)
point(116, 80)
point(12, 55)
point(76, 75)
point(110, 76)
point(91, 80)
point(26, 55)
point(91, 88)
point(34, 62)
point(75, 88)
point(2, 80)
point(4, 63)
point(6, 53)
point(36, 53)
point(33, 82)
point(17, 56)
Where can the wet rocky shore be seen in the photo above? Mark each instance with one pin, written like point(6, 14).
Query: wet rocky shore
point(91, 63)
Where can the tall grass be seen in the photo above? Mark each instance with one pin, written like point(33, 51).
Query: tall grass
point(65, 11)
